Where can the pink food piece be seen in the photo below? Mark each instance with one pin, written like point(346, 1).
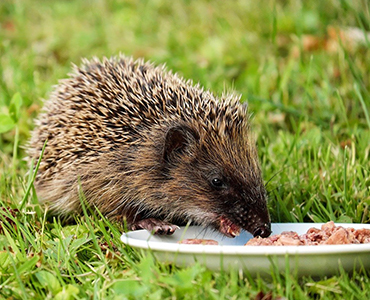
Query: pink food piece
point(198, 242)
point(362, 235)
point(329, 234)
point(339, 237)
point(228, 228)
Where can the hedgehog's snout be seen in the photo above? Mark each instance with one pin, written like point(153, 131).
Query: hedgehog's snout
point(260, 224)
point(263, 231)
point(252, 218)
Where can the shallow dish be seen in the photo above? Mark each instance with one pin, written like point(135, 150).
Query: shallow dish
point(231, 252)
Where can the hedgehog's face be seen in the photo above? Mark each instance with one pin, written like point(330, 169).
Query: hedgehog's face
point(238, 203)
point(218, 183)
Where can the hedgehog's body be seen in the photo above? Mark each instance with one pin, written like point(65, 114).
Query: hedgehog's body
point(147, 146)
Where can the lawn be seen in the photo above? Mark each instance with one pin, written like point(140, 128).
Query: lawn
point(303, 68)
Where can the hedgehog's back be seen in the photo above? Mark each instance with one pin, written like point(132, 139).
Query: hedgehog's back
point(107, 104)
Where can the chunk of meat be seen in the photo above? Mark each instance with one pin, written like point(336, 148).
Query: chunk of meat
point(362, 235)
point(329, 234)
point(198, 242)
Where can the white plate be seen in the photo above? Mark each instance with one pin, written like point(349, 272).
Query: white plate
point(231, 252)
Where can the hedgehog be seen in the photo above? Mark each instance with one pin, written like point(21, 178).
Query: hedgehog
point(150, 149)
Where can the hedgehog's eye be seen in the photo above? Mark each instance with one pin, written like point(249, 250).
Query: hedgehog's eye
point(217, 183)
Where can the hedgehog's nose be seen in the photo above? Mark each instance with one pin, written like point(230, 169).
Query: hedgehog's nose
point(263, 231)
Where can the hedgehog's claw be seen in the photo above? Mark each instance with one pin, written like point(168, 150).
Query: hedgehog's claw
point(155, 226)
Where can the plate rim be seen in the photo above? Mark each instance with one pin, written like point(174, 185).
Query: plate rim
point(237, 250)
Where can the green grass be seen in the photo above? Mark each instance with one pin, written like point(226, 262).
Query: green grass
point(311, 108)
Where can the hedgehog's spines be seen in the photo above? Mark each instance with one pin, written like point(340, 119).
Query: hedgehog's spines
point(107, 124)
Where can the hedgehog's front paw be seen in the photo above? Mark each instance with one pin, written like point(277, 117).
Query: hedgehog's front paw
point(155, 226)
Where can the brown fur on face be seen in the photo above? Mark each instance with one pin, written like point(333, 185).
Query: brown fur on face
point(144, 143)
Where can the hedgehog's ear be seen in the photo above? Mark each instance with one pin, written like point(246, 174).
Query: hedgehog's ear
point(178, 139)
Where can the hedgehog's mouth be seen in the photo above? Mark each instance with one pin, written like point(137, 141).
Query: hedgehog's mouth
point(229, 228)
